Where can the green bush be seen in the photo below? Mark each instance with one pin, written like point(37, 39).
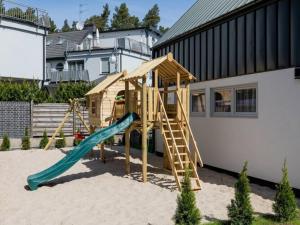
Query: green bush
point(44, 141)
point(26, 140)
point(25, 91)
point(109, 141)
point(5, 143)
point(285, 206)
point(61, 143)
point(240, 210)
point(67, 91)
point(187, 212)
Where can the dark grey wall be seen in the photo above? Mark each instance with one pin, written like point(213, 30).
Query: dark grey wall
point(263, 37)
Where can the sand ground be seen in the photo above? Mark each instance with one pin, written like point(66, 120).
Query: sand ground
point(92, 192)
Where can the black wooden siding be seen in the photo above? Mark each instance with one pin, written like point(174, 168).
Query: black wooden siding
point(262, 38)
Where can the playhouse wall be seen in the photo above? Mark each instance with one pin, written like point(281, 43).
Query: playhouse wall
point(265, 140)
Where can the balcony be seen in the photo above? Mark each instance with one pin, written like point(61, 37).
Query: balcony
point(67, 76)
point(21, 12)
point(112, 43)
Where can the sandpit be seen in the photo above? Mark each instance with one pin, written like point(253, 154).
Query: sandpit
point(93, 192)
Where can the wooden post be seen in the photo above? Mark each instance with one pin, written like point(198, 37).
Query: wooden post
point(187, 134)
point(144, 129)
point(166, 162)
point(102, 152)
point(127, 132)
point(155, 94)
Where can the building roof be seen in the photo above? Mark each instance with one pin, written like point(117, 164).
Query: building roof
point(57, 43)
point(104, 84)
point(202, 12)
point(167, 69)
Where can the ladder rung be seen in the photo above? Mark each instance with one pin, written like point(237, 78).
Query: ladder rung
point(178, 146)
point(182, 171)
point(176, 138)
point(182, 162)
point(173, 131)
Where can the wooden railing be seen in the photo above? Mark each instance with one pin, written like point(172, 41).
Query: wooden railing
point(163, 113)
point(196, 150)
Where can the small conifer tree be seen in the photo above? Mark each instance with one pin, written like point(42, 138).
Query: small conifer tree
point(26, 140)
point(44, 141)
point(187, 211)
point(240, 210)
point(5, 143)
point(61, 143)
point(285, 206)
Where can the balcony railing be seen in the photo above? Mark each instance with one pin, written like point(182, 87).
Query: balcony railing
point(67, 76)
point(123, 43)
point(23, 12)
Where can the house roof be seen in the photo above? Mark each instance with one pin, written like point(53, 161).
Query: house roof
point(56, 49)
point(200, 13)
point(167, 69)
point(104, 84)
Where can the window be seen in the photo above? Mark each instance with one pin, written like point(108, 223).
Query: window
point(76, 65)
point(105, 66)
point(94, 108)
point(59, 67)
point(234, 101)
point(198, 103)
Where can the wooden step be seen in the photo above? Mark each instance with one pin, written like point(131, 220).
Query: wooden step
point(183, 171)
point(176, 163)
point(178, 146)
point(173, 131)
point(176, 138)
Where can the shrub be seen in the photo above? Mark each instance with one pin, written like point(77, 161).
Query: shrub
point(240, 210)
point(285, 206)
point(67, 91)
point(5, 143)
point(61, 143)
point(187, 212)
point(44, 141)
point(26, 140)
point(109, 141)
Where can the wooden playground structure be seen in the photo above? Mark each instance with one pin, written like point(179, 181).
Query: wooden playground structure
point(124, 93)
point(155, 112)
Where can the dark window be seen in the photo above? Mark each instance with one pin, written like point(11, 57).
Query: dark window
point(76, 65)
point(59, 67)
point(94, 107)
point(198, 102)
point(222, 100)
point(245, 99)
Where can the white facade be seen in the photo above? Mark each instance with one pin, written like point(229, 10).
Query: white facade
point(264, 141)
point(21, 50)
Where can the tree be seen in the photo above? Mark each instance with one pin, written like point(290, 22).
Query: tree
point(5, 143)
point(66, 27)
point(163, 29)
point(101, 22)
point(240, 210)
point(15, 12)
point(152, 17)
point(122, 19)
point(2, 8)
point(53, 27)
point(30, 14)
point(187, 212)
point(74, 26)
point(61, 143)
point(26, 140)
point(44, 141)
point(285, 206)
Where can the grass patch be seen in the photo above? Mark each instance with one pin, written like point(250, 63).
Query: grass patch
point(261, 220)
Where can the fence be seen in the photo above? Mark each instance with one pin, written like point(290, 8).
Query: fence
point(18, 11)
point(16, 116)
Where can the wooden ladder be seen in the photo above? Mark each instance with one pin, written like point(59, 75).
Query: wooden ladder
point(177, 148)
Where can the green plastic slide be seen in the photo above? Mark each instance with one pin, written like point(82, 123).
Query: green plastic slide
point(80, 151)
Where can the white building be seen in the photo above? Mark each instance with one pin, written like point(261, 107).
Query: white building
point(22, 42)
point(90, 55)
point(244, 106)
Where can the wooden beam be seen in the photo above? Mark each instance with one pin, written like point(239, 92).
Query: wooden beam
point(127, 131)
point(166, 162)
point(144, 129)
point(155, 94)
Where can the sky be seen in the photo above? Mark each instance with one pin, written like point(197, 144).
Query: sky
point(59, 10)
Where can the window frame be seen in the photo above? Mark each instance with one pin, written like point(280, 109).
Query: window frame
point(198, 114)
point(233, 112)
point(102, 60)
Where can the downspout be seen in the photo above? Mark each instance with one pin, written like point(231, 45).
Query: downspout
point(44, 58)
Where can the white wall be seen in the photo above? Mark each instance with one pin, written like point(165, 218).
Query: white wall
point(264, 141)
point(21, 52)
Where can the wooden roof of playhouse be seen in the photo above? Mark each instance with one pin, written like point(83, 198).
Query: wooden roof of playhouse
point(107, 82)
point(167, 67)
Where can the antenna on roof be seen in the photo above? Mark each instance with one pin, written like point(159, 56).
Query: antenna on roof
point(80, 24)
